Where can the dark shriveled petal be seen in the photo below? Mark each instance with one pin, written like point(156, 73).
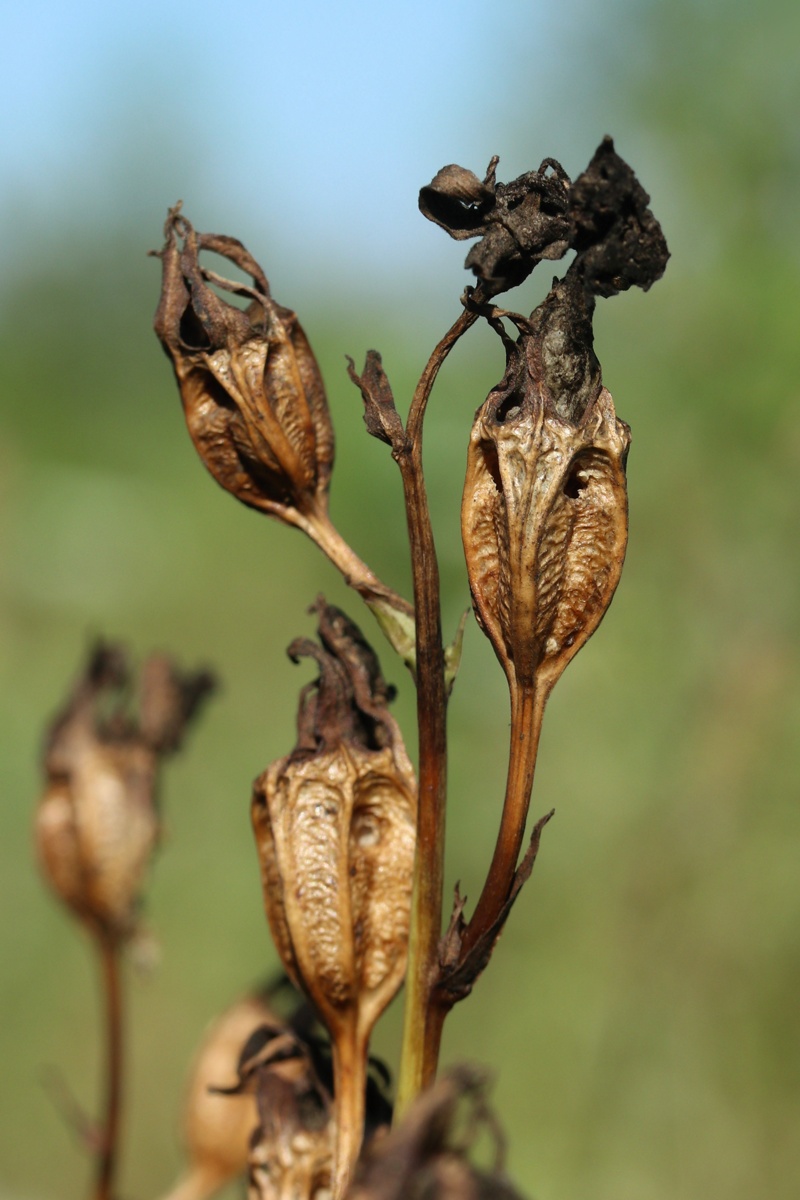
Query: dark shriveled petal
point(458, 201)
point(541, 215)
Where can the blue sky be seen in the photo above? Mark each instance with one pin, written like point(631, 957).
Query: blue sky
point(320, 120)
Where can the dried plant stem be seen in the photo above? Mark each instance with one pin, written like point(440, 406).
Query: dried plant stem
point(422, 1025)
point(393, 613)
point(350, 1080)
point(356, 573)
point(527, 711)
point(109, 950)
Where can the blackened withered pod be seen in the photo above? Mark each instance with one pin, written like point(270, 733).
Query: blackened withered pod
point(603, 215)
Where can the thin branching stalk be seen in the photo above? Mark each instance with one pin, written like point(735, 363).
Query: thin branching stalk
point(108, 1149)
point(349, 1064)
point(422, 1028)
point(393, 613)
point(527, 711)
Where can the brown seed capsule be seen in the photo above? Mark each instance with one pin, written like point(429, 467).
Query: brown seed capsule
point(292, 1148)
point(252, 393)
point(544, 512)
point(97, 824)
point(427, 1155)
point(218, 1128)
point(334, 823)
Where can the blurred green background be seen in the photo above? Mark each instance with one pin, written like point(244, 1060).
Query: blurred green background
point(641, 1012)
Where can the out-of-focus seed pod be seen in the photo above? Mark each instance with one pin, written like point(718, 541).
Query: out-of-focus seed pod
point(292, 1152)
point(97, 822)
point(217, 1128)
point(425, 1158)
point(334, 823)
point(252, 392)
point(544, 512)
point(291, 1148)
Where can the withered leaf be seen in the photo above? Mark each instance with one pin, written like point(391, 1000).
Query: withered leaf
point(380, 415)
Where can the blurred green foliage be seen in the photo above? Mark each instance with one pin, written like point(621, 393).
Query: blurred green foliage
point(642, 1008)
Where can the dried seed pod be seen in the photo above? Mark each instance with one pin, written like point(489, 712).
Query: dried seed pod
point(290, 1152)
point(97, 823)
point(255, 403)
point(218, 1128)
point(544, 512)
point(424, 1158)
point(252, 392)
point(334, 823)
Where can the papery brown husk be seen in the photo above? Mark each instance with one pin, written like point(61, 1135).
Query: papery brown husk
point(544, 511)
point(97, 822)
point(252, 392)
point(336, 836)
point(334, 824)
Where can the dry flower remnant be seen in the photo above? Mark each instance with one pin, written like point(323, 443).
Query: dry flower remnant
point(97, 822)
point(334, 825)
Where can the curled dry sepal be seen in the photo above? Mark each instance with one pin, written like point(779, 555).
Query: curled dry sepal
point(334, 823)
point(97, 822)
point(460, 965)
point(426, 1157)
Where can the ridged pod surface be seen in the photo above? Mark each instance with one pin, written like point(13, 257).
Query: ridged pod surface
point(335, 829)
point(544, 522)
point(96, 831)
point(97, 823)
point(252, 393)
point(335, 834)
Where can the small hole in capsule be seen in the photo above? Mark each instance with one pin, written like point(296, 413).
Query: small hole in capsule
point(509, 410)
point(575, 483)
